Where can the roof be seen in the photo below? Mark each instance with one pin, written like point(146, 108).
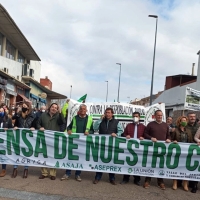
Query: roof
point(51, 94)
point(183, 75)
point(17, 82)
point(10, 29)
point(179, 79)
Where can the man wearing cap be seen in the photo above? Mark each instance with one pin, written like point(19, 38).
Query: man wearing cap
point(170, 124)
point(81, 123)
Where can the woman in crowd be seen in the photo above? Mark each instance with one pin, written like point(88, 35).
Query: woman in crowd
point(181, 134)
point(5, 123)
point(24, 118)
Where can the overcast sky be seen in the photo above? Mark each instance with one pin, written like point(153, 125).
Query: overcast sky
point(80, 42)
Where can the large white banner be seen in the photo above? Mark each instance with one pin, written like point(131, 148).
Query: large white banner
point(192, 99)
point(122, 111)
point(100, 153)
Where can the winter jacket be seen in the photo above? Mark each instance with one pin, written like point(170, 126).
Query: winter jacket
point(176, 135)
point(7, 122)
point(27, 122)
point(108, 126)
point(50, 123)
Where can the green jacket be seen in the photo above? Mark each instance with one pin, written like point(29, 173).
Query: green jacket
point(51, 123)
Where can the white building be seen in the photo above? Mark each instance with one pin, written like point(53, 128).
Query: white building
point(175, 90)
point(16, 53)
point(20, 67)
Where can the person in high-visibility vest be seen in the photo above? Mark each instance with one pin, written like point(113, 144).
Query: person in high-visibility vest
point(65, 114)
point(81, 123)
point(65, 108)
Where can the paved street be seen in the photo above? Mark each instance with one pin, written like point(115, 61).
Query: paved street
point(33, 188)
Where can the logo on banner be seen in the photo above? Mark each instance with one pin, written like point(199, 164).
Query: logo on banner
point(150, 114)
point(161, 172)
point(130, 170)
point(2, 160)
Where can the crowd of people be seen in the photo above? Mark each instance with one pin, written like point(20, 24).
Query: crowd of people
point(185, 130)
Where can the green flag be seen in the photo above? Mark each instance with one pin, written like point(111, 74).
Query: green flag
point(83, 98)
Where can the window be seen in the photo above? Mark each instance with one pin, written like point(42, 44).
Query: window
point(1, 42)
point(20, 58)
point(10, 50)
point(34, 102)
point(5, 70)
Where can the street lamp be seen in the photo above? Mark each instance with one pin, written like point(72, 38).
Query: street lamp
point(107, 92)
point(128, 99)
point(119, 81)
point(70, 91)
point(151, 93)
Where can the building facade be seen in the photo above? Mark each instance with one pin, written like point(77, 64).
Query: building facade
point(20, 67)
point(175, 92)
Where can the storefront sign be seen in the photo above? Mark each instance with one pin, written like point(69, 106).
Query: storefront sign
point(192, 99)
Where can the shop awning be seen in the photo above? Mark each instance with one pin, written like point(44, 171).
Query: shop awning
point(11, 92)
point(23, 97)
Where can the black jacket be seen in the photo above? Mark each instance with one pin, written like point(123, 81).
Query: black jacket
point(108, 126)
point(7, 122)
point(27, 122)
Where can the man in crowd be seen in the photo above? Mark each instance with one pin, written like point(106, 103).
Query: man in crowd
point(170, 124)
point(39, 113)
point(35, 110)
point(110, 126)
point(50, 120)
point(193, 126)
point(155, 131)
point(81, 123)
point(134, 130)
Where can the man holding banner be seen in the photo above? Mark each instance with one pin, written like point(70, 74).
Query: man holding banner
point(134, 130)
point(110, 126)
point(51, 120)
point(155, 131)
point(81, 123)
point(193, 127)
